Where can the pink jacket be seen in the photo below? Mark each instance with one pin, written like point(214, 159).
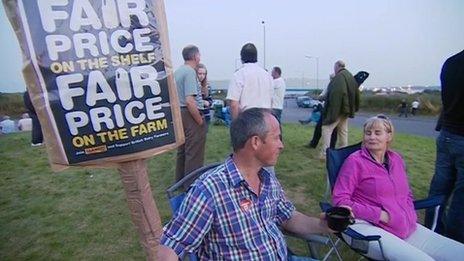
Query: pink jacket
point(367, 187)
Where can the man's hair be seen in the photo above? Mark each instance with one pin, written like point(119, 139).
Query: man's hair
point(340, 63)
point(248, 124)
point(277, 70)
point(249, 53)
point(189, 52)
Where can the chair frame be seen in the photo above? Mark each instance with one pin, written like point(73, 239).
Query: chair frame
point(333, 164)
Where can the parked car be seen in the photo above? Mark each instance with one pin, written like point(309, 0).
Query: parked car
point(307, 102)
point(218, 102)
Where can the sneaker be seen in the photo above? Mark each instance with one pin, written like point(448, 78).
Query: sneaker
point(36, 144)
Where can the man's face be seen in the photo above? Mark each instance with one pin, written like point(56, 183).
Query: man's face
point(336, 67)
point(274, 74)
point(270, 147)
point(197, 58)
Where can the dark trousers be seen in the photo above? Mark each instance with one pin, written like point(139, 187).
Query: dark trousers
point(37, 136)
point(448, 180)
point(318, 133)
point(190, 155)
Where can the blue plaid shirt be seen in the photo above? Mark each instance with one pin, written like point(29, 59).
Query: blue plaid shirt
point(221, 218)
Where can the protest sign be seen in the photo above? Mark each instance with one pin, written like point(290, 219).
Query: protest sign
point(100, 78)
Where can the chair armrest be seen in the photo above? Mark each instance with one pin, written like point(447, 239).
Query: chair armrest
point(356, 235)
point(310, 237)
point(429, 202)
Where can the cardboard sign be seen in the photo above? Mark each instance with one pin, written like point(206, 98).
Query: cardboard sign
point(100, 78)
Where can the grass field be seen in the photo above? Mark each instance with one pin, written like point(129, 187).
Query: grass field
point(81, 214)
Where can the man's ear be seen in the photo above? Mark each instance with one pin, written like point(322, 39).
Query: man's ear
point(255, 141)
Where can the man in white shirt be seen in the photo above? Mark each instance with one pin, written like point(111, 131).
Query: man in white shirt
point(414, 107)
point(251, 86)
point(279, 92)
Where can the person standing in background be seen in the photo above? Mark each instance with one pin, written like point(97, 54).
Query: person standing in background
point(190, 155)
point(403, 108)
point(279, 93)
point(37, 136)
point(414, 107)
point(448, 179)
point(7, 125)
point(342, 103)
point(251, 86)
point(25, 123)
point(202, 74)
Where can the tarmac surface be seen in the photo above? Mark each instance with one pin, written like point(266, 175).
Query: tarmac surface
point(415, 125)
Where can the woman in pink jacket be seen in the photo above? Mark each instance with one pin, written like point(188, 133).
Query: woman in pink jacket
point(374, 184)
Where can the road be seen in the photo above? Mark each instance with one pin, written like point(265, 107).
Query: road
point(418, 125)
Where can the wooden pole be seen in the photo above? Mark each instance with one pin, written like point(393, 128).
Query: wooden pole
point(144, 213)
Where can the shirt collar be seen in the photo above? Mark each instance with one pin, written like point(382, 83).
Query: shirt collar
point(368, 155)
point(236, 178)
point(250, 64)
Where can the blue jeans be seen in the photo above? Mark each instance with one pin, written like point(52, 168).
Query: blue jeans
point(449, 181)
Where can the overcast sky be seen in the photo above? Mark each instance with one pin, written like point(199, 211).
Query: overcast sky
point(398, 42)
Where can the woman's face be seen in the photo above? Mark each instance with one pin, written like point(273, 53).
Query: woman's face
point(377, 138)
point(201, 74)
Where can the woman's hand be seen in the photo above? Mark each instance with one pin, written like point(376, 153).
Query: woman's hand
point(384, 217)
point(348, 207)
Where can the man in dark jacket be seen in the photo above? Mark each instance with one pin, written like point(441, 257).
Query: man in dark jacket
point(342, 102)
point(449, 166)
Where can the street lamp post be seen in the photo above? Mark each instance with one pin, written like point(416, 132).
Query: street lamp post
point(317, 68)
point(264, 43)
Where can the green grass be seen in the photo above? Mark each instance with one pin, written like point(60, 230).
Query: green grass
point(82, 214)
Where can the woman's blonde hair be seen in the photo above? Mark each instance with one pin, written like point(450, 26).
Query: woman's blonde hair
point(380, 120)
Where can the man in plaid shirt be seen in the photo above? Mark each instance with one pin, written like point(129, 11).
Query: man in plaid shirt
point(234, 212)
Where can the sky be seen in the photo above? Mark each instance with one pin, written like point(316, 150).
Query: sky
point(398, 42)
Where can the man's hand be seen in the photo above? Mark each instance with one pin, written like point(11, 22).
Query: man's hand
point(234, 109)
point(165, 253)
point(192, 108)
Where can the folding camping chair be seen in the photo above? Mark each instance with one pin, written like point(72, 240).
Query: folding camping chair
point(177, 192)
point(357, 241)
